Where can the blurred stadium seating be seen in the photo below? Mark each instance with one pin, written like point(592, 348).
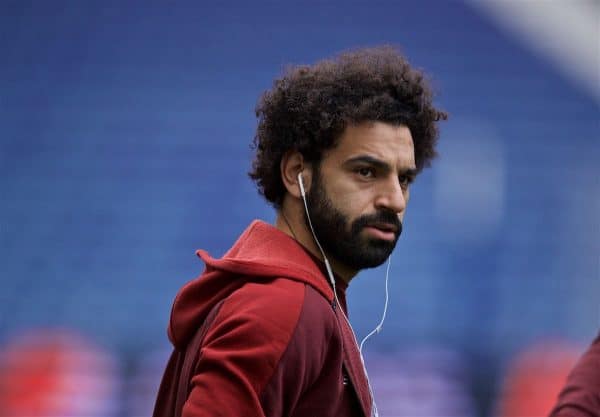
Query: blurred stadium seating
point(125, 145)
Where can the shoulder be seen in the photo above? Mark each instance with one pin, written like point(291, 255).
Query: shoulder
point(265, 326)
point(274, 314)
point(281, 302)
point(278, 305)
point(273, 302)
point(260, 316)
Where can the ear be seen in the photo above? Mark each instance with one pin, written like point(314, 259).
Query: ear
point(292, 163)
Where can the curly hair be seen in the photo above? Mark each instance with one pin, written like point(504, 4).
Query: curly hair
point(308, 109)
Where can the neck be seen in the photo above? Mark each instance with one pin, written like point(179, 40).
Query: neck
point(291, 222)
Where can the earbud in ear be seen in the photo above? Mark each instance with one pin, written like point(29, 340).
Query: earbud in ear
point(301, 184)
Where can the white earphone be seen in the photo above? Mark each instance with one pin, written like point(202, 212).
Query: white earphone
point(301, 184)
point(332, 280)
point(303, 194)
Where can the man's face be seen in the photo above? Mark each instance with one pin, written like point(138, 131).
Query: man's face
point(359, 192)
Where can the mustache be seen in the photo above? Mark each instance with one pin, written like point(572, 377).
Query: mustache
point(385, 217)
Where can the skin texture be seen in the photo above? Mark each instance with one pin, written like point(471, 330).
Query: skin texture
point(340, 235)
point(368, 171)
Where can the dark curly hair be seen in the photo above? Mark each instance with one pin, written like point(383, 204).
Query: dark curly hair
point(310, 106)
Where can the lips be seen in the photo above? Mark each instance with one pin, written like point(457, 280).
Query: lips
point(382, 231)
point(384, 227)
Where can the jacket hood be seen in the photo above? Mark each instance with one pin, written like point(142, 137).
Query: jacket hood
point(261, 253)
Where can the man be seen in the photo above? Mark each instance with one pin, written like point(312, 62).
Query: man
point(580, 396)
point(337, 147)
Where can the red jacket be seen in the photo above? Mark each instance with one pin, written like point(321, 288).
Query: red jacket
point(581, 395)
point(278, 346)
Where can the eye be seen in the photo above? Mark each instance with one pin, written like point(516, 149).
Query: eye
point(405, 180)
point(366, 172)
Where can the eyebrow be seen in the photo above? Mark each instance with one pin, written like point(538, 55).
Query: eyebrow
point(379, 164)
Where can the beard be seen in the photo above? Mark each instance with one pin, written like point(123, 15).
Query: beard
point(341, 238)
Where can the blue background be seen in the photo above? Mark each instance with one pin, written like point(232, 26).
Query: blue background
point(125, 142)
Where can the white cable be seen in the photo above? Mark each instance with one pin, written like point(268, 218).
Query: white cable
point(378, 328)
point(375, 412)
point(329, 270)
point(332, 280)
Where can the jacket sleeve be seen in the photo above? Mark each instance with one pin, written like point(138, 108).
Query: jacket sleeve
point(580, 396)
point(242, 350)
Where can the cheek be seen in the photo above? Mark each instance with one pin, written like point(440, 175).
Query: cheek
point(357, 204)
point(351, 200)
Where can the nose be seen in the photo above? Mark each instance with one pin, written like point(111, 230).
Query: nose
point(392, 197)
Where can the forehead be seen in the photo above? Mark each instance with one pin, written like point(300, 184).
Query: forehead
point(384, 141)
